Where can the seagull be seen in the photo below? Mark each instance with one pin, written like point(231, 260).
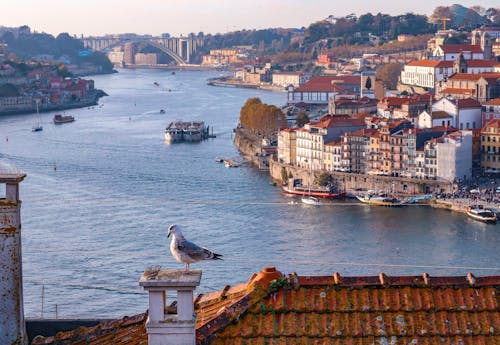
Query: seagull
point(188, 252)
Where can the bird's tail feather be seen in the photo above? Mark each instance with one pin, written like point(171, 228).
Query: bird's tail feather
point(217, 256)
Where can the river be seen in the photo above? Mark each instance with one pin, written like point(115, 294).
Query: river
point(101, 192)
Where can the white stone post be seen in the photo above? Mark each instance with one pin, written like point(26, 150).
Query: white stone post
point(12, 326)
point(171, 329)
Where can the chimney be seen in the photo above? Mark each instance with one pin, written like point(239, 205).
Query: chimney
point(162, 327)
point(12, 326)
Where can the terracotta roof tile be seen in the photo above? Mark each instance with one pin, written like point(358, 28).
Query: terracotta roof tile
point(457, 48)
point(334, 310)
point(495, 101)
point(324, 83)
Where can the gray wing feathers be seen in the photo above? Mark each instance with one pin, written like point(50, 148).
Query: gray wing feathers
point(194, 251)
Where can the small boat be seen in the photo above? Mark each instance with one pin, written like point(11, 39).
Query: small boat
point(379, 200)
point(58, 119)
point(37, 127)
point(162, 111)
point(156, 84)
point(219, 159)
point(311, 201)
point(481, 214)
point(228, 163)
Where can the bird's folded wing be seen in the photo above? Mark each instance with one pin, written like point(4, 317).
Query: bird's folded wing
point(194, 251)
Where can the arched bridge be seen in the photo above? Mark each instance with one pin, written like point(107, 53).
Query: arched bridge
point(180, 49)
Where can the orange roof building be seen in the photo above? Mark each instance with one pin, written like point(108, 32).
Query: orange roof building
point(271, 308)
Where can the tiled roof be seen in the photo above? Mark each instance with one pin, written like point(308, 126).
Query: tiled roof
point(440, 114)
point(481, 63)
point(275, 309)
point(324, 83)
point(495, 101)
point(470, 76)
point(468, 103)
point(431, 63)
point(457, 91)
point(495, 123)
point(457, 48)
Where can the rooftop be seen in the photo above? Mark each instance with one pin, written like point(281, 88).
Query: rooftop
point(457, 48)
point(271, 308)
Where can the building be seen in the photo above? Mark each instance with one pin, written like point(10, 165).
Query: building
point(450, 52)
point(454, 156)
point(287, 146)
point(312, 138)
point(129, 54)
point(285, 79)
point(426, 73)
point(319, 90)
point(291, 309)
point(356, 147)
point(352, 106)
point(333, 156)
point(481, 86)
point(116, 57)
point(491, 111)
point(146, 59)
point(466, 113)
point(221, 57)
point(490, 147)
point(429, 119)
point(16, 103)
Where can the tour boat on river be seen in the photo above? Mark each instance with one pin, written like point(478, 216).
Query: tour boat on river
point(295, 187)
point(191, 131)
point(58, 119)
point(379, 200)
point(481, 214)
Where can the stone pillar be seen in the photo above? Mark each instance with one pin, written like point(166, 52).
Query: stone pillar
point(12, 326)
point(164, 328)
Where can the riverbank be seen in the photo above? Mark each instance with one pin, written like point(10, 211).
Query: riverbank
point(251, 148)
point(90, 100)
point(234, 82)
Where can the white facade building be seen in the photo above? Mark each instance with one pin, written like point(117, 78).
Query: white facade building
point(285, 79)
point(426, 73)
point(434, 119)
point(466, 113)
point(454, 156)
point(450, 52)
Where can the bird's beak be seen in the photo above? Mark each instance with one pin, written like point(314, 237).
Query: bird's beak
point(169, 233)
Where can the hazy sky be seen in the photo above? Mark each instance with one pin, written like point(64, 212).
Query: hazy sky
point(99, 17)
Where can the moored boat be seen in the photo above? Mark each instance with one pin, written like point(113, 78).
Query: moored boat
point(310, 200)
point(312, 191)
point(192, 131)
point(379, 200)
point(58, 119)
point(481, 214)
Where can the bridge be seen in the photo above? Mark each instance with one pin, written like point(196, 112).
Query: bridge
point(179, 49)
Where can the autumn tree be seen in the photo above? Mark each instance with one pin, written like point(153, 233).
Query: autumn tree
point(262, 118)
point(390, 73)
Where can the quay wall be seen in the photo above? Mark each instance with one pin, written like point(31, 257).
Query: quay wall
point(350, 181)
point(250, 145)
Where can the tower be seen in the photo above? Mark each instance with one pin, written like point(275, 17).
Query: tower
point(12, 326)
point(486, 45)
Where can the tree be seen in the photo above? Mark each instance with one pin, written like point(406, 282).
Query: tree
point(302, 118)
point(390, 73)
point(368, 84)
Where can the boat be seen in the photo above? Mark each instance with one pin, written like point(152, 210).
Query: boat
point(58, 119)
point(37, 127)
point(294, 187)
point(310, 200)
point(482, 214)
point(379, 200)
point(191, 131)
point(228, 163)
point(162, 111)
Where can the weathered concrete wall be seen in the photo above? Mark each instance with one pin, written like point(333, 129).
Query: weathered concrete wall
point(347, 181)
point(12, 327)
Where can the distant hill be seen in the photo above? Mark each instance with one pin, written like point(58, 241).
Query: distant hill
point(41, 46)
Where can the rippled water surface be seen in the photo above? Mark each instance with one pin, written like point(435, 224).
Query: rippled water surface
point(93, 224)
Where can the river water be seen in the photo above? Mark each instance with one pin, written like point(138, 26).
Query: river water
point(102, 191)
